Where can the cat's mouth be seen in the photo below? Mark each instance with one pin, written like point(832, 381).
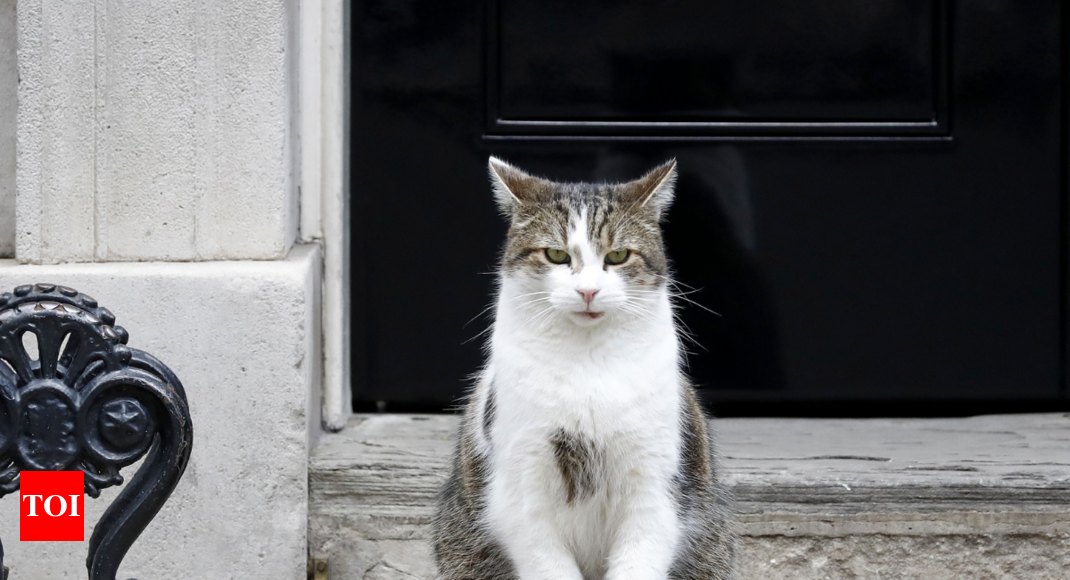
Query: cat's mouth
point(590, 315)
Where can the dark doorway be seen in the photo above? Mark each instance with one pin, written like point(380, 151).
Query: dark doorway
point(871, 195)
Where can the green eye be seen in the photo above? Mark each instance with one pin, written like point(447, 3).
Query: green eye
point(617, 257)
point(557, 256)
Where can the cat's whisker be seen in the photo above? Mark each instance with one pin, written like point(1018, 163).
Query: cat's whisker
point(481, 333)
point(697, 305)
point(481, 313)
point(534, 301)
point(676, 282)
point(683, 295)
point(687, 335)
point(542, 317)
point(529, 294)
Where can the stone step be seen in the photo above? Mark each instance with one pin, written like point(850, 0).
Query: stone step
point(982, 497)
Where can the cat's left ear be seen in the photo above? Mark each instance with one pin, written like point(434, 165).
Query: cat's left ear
point(513, 187)
point(655, 190)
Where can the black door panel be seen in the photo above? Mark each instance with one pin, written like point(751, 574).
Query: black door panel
point(871, 194)
point(567, 67)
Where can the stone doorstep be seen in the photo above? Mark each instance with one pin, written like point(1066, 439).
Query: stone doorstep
point(981, 497)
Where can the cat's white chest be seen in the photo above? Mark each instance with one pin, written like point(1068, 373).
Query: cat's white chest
point(621, 409)
point(602, 394)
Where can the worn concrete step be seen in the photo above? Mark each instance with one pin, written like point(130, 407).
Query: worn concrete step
point(983, 497)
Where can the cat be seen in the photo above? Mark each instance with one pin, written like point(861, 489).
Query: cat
point(583, 452)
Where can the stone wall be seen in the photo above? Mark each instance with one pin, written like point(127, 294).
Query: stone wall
point(152, 133)
point(9, 81)
point(243, 339)
point(157, 169)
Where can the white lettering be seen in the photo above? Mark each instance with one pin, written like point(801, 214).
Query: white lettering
point(33, 504)
point(74, 506)
point(62, 502)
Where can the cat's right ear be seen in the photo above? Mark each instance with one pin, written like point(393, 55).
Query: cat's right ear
point(512, 187)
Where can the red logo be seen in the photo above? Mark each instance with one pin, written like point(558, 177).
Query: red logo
point(52, 506)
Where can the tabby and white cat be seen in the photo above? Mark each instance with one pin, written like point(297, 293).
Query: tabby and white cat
point(583, 453)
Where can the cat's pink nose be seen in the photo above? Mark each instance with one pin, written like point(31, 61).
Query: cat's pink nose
point(588, 295)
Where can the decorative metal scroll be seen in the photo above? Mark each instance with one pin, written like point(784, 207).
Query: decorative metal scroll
point(74, 397)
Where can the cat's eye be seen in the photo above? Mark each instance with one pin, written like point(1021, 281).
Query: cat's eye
point(557, 256)
point(617, 257)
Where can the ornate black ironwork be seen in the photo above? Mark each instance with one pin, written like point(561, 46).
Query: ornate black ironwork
point(74, 397)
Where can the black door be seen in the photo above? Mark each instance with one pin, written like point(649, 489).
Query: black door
point(871, 194)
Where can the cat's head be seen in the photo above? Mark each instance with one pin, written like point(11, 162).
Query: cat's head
point(585, 252)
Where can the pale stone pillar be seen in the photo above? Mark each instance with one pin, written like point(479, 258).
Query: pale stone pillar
point(153, 131)
point(243, 339)
point(9, 82)
point(158, 170)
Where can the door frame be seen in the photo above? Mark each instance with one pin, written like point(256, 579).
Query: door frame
point(322, 124)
